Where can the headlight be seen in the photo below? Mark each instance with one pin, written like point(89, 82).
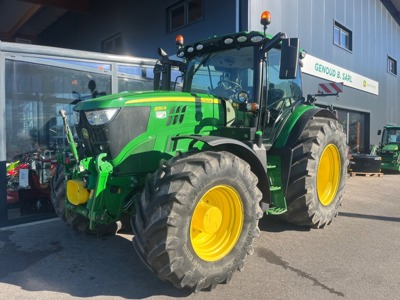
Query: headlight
point(77, 115)
point(100, 117)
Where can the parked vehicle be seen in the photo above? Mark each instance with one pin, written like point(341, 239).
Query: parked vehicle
point(389, 148)
point(195, 170)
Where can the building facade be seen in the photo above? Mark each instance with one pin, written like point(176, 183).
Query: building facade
point(356, 42)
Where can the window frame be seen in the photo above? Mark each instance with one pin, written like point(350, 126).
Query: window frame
point(112, 40)
point(391, 62)
point(341, 29)
point(186, 14)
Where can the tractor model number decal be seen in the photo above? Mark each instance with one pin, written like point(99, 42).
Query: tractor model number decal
point(161, 114)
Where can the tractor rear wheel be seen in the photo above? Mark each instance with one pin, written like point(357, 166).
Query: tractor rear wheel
point(196, 219)
point(318, 174)
point(77, 221)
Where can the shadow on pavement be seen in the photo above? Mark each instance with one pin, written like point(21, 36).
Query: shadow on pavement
point(53, 257)
point(275, 224)
point(369, 217)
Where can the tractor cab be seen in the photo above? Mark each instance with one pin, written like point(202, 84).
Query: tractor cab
point(256, 77)
point(390, 142)
point(389, 149)
point(391, 135)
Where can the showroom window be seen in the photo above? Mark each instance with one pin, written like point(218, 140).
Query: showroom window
point(356, 126)
point(35, 90)
point(342, 36)
point(184, 13)
point(392, 65)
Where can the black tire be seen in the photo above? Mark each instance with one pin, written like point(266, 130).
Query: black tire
point(308, 203)
point(162, 225)
point(77, 221)
point(57, 187)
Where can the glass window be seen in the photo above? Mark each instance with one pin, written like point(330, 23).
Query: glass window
point(113, 45)
point(392, 65)
point(356, 126)
point(177, 17)
point(222, 74)
point(282, 93)
point(184, 13)
point(195, 10)
point(35, 93)
point(342, 36)
point(391, 136)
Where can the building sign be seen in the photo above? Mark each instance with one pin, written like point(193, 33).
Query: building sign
point(322, 69)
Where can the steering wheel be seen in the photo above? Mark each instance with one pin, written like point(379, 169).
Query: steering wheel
point(230, 85)
point(227, 89)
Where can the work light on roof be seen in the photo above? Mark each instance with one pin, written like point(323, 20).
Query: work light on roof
point(265, 18)
point(256, 39)
point(242, 38)
point(228, 41)
point(179, 41)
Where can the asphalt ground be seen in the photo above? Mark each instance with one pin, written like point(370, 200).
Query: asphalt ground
point(356, 257)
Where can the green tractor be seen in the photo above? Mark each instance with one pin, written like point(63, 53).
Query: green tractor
point(193, 171)
point(389, 148)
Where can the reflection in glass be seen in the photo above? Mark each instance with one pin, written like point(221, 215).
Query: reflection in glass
point(35, 93)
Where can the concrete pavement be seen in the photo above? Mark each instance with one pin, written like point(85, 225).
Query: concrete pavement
point(357, 257)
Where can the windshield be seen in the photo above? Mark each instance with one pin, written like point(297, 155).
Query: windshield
point(222, 74)
point(391, 136)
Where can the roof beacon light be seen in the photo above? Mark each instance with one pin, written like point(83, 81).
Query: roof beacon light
point(179, 41)
point(265, 19)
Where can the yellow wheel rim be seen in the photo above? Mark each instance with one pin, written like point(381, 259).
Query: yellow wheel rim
point(217, 223)
point(328, 176)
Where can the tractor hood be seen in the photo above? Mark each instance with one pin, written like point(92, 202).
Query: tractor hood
point(142, 98)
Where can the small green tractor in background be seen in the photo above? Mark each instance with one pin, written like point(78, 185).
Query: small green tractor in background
point(389, 148)
point(193, 171)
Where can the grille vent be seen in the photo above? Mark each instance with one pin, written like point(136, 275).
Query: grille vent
point(176, 115)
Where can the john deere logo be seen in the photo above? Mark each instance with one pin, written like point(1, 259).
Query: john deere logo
point(85, 133)
point(365, 83)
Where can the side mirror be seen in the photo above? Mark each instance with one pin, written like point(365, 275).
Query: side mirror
point(289, 58)
point(379, 132)
point(161, 52)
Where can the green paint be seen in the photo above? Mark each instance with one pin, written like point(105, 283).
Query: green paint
point(277, 192)
point(289, 125)
point(389, 149)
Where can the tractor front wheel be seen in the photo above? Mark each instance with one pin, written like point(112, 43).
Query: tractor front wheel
point(197, 218)
point(77, 221)
point(318, 174)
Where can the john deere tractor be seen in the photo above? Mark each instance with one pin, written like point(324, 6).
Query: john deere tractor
point(389, 148)
point(193, 171)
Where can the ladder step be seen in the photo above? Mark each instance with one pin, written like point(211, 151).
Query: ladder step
point(276, 211)
point(275, 188)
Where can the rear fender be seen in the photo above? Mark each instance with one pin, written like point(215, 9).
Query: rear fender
point(285, 152)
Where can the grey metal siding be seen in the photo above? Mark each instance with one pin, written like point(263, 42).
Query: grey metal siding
point(375, 36)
